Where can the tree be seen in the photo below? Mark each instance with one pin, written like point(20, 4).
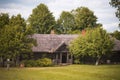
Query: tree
point(76, 20)
point(42, 19)
point(116, 34)
point(15, 39)
point(4, 19)
point(95, 42)
point(116, 4)
point(17, 20)
point(66, 23)
point(84, 18)
point(14, 42)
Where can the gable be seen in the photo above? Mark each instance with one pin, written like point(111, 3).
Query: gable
point(62, 48)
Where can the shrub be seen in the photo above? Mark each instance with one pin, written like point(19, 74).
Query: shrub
point(77, 61)
point(29, 63)
point(44, 62)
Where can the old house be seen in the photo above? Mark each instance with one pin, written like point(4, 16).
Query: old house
point(55, 47)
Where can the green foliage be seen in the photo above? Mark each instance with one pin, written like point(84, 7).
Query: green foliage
point(84, 18)
point(116, 34)
point(76, 61)
point(42, 19)
point(4, 19)
point(8, 41)
point(66, 23)
point(13, 42)
point(96, 43)
point(76, 20)
point(116, 4)
point(44, 62)
point(29, 63)
point(14, 39)
point(17, 20)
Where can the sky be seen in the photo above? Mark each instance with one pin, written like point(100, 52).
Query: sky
point(101, 8)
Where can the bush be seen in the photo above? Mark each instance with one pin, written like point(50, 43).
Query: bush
point(76, 61)
point(45, 62)
point(29, 63)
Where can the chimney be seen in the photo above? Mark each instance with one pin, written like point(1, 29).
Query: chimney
point(52, 32)
point(83, 32)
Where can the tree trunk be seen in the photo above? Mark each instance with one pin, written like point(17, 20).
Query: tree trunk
point(97, 61)
point(1, 61)
point(17, 61)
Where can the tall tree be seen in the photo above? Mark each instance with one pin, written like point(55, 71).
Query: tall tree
point(66, 23)
point(4, 19)
point(84, 18)
point(14, 42)
point(116, 4)
point(41, 19)
point(15, 38)
point(95, 42)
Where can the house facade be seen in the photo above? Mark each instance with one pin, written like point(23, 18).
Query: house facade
point(115, 57)
point(55, 47)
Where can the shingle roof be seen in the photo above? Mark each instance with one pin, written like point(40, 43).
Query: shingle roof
point(117, 45)
point(51, 42)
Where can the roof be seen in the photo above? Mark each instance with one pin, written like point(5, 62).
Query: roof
point(116, 45)
point(51, 42)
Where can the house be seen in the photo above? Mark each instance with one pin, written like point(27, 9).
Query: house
point(115, 58)
point(55, 47)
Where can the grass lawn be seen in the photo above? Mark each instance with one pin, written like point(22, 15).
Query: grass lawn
point(71, 72)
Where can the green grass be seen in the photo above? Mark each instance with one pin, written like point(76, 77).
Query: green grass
point(71, 72)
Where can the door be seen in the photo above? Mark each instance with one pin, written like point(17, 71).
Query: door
point(64, 58)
